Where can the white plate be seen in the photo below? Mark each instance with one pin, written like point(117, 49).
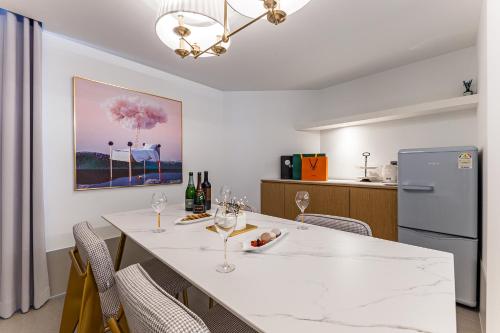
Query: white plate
point(247, 246)
point(179, 220)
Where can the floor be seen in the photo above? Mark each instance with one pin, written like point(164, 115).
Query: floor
point(46, 320)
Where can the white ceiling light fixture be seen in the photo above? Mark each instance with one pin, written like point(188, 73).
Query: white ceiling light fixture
point(254, 8)
point(199, 28)
point(191, 26)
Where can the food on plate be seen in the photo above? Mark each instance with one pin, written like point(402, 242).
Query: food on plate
point(195, 217)
point(266, 237)
point(277, 232)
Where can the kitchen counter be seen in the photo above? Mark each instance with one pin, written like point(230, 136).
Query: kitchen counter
point(337, 182)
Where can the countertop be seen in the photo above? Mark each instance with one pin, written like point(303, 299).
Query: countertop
point(317, 280)
point(338, 182)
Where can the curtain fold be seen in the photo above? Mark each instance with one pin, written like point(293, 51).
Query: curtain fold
point(23, 262)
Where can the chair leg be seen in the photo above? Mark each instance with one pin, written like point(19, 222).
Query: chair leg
point(113, 326)
point(119, 251)
point(72, 302)
point(185, 297)
point(91, 320)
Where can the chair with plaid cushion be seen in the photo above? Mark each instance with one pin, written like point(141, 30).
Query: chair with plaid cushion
point(149, 309)
point(337, 223)
point(91, 303)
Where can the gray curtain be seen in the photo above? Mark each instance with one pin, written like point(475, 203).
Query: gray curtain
point(23, 263)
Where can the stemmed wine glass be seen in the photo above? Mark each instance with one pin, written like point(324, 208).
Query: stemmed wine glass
point(225, 223)
point(302, 201)
point(158, 203)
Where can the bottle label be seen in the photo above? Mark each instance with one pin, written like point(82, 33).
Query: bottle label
point(198, 209)
point(189, 204)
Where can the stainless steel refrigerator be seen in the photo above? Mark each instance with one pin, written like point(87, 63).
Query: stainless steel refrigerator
point(438, 208)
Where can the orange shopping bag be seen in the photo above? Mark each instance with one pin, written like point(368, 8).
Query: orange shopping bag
point(315, 168)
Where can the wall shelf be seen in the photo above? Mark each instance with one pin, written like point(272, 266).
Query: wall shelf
point(411, 111)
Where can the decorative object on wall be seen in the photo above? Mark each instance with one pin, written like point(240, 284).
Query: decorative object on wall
point(124, 137)
point(200, 28)
point(467, 85)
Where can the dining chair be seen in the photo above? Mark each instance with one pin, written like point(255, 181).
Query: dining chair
point(149, 309)
point(91, 298)
point(337, 222)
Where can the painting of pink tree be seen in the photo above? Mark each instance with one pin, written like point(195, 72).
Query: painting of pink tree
point(134, 113)
point(124, 137)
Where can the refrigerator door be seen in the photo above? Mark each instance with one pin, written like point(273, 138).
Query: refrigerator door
point(438, 190)
point(465, 252)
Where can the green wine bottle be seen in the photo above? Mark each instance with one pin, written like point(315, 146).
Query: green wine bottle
point(199, 198)
point(190, 193)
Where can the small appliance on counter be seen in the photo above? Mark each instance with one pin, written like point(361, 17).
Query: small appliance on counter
point(390, 173)
point(438, 208)
point(286, 167)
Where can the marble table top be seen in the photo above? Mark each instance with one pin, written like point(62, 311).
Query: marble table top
point(316, 280)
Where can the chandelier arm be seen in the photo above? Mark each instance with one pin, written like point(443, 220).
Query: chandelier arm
point(232, 33)
point(188, 43)
point(225, 19)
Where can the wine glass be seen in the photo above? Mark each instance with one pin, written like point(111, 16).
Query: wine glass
point(225, 193)
point(302, 201)
point(158, 203)
point(225, 223)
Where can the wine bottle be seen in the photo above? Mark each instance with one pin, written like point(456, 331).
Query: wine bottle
point(199, 198)
point(207, 188)
point(190, 193)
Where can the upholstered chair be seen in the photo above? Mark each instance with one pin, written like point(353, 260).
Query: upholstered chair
point(150, 309)
point(92, 299)
point(337, 223)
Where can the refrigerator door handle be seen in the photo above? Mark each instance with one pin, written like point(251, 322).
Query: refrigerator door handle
point(426, 188)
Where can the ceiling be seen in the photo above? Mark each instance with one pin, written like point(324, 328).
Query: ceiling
point(325, 43)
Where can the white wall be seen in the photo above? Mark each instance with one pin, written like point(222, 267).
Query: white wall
point(202, 122)
point(344, 146)
point(424, 81)
point(260, 129)
point(237, 137)
point(489, 55)
point(432, 79)
point(482, 137)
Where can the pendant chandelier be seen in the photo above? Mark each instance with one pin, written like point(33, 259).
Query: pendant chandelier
point(199, 28)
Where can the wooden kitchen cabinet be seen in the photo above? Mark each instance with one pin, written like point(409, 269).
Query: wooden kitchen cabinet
point(272, 199)
point(373, 204)
point(378, 208)
point(323, 200)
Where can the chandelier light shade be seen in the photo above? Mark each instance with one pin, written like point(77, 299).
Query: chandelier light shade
point(191, 26)
point(200, 28)
point(254, 8)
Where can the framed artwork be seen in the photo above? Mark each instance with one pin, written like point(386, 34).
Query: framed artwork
point(125, 137)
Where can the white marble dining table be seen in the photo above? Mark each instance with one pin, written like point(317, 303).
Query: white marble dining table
point(315, 280)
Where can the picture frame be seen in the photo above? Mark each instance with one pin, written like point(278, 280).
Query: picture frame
point(124, 137)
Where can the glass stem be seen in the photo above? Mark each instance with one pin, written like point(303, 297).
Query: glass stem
point(302, 216)
point(225, 252)
point(158, 220)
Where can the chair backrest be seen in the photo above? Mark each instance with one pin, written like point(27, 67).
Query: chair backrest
point(95, 250)
point(150, 309)
point(337, 223)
